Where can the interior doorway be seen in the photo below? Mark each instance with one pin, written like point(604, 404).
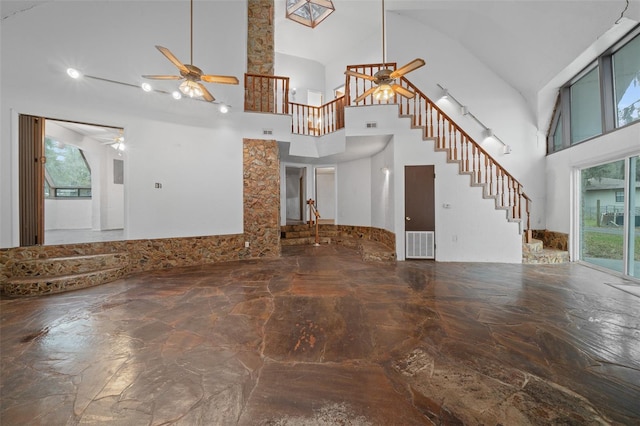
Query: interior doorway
point(74, 190)
point(295, 194)
point(326, 194)
point(419, 208)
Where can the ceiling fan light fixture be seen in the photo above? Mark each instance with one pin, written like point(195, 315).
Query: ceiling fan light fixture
point(190, 88)
point(383, 92)
point(309, 12)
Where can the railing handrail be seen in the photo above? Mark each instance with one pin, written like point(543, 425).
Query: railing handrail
point(460, 129)
point(313, 210)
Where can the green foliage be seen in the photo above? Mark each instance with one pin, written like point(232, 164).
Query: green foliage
point(607, 246)
point(66, 165)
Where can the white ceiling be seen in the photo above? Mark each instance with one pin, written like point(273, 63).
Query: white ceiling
point(525, 42)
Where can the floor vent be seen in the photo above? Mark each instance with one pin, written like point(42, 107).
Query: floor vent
point(420, 245)
point(372, 125)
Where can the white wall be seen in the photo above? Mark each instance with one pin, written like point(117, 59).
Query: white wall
point(354, 192)
point(186, 145)
point(382, 189)
point(67, 214)
point(326, 193)
point(304, 75)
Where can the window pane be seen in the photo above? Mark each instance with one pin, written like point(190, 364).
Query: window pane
point(634, 209)
point(66, 192)
point(602, 219)
point(626, 75)
point(586, 117)
point(557, 136)
point(66, 165)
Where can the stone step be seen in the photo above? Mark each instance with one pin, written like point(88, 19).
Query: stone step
point(40, 285)
point(304, 241)
point(535, 246)
point(69, 265)
point(545, 256)
point(375, 251)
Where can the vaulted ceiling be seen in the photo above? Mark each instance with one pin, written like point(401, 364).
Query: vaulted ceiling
point(525, 42)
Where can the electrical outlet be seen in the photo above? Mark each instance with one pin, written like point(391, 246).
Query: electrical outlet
point(246, 243)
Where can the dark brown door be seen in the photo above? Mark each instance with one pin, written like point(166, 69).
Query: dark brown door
point(419, 198)
point(31, 179)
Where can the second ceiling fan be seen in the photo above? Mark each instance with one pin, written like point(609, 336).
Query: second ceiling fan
point(385, 85)
point(191, 74)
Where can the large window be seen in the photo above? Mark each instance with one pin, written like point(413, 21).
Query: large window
point(626, 79)
point(604, 97)
point(67, 174)
point(586, 113)
point(610, 216)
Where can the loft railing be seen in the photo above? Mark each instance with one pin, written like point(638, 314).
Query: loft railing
point(317, 121)
point(266, 93)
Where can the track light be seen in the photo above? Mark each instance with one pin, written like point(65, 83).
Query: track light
point(146, 87)
point(176, 95)
point(223, 108)
point(73, 73)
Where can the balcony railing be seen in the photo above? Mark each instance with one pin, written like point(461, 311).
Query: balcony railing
point(266, 93)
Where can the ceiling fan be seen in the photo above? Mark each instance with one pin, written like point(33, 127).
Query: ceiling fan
point(191, 74)
point(385, 85)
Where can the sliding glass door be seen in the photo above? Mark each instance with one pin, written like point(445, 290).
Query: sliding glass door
point(610, 216)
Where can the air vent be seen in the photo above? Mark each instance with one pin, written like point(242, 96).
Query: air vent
point(372, 125)
point(267, 131)
point(419, 245)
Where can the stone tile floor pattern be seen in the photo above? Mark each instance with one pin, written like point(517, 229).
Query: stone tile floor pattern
point(319, 337)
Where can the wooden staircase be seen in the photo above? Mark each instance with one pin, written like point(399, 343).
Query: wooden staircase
point(55, 275)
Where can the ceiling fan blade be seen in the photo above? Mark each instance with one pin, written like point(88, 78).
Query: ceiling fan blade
point(221, 79)
point(205, 93)
point(167, 53)
point(403, 91)
point(163, 77)
point(359, 75)
point(365, 94)
point(413, 65)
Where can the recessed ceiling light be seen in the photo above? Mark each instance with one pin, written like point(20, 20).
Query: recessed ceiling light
point(73, 73)
point(146, 87)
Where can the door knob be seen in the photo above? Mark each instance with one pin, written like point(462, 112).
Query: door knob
point(407, 218)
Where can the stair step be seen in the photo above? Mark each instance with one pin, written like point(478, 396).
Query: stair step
point(39, 285)
point(545, 256)
point(69, 265)
point(535, 246)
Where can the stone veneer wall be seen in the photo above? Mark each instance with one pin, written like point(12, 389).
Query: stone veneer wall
point(383, 236)
point(260, 44)
point(552, 239)
point(144, 255)
point(261, 198)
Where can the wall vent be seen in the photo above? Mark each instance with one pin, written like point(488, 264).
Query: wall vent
point(419, 245)
point(372, 125)
point(267, 131)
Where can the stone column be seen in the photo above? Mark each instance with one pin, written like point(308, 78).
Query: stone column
point(260, 47)
point(261, 183)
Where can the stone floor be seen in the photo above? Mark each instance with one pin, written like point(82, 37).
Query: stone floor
point(319, 337)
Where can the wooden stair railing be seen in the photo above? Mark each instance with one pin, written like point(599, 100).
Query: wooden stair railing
point(314, 218)
point(473, 160)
